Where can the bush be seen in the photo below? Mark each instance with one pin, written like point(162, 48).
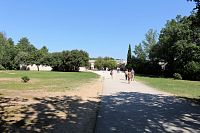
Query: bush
point(177, 76)
point(25, 79)
point(1, 67)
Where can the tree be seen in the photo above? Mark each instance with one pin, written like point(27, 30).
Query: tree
point(149, 42)
point(179, 46)
point(55, 61)
point(7, 52)
point(78, 59)
point(196, 21)
point(197, 5)
point(24, 45)
point(10, 41)
point(25, 48)
point(39, 57)
point(106, 62)
point(84, 58)
point(24, 53)
point(139, 52)
point(2, 47)
point(22, 58)
point(110, 64)
point(68, 60)
point(99, 63)
point(129, 58)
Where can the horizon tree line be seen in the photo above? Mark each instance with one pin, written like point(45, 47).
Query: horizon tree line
point(24, 53)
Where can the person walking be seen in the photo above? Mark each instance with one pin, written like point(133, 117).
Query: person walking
point(126, 74)
point(133, 75)
point(111, 73)
point(129, 76)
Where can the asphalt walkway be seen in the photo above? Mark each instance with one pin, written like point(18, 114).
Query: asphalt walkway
point(135, 107)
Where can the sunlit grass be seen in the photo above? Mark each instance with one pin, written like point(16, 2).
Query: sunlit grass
point(185, 88)
point(51, 81)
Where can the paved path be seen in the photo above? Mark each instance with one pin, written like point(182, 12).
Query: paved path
point(130, 108)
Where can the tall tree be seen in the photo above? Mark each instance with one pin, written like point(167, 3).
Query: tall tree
point(129, 58)
point(179, 47)
point(24, 44)
point(25, 48)
point(2, 47)
point(22, 59)
point(68, 60)
point(10, 41)
point(39, 57)
point(7, 52)
point(2, 44)
point(55, 61)
point(197, 4)
point(99, 63)
point(149, 42)
point(196, 21)
point(106, 62)
point(139, 52)
point(78, 58)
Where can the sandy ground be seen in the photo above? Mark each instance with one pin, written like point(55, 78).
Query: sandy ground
point(42, 111)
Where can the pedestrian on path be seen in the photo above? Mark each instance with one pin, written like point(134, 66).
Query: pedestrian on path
point(111, 73)
point(126, 74)
point(129, 76)
point(132, 75)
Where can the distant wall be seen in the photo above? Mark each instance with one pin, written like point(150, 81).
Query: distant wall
point(43, 68)
point(34, 68)
point(82, 69)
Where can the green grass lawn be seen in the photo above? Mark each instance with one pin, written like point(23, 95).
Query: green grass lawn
point(51, 81)
point(184, 88)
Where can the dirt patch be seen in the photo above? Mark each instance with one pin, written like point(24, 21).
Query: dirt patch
point(9, 79)
point(43, 111)
point(18, 80)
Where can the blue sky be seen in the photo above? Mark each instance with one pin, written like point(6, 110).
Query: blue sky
point(100, 27)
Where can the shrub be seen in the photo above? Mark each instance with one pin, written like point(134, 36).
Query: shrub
point(25, 79)
point(177, 76)
point(1, 67)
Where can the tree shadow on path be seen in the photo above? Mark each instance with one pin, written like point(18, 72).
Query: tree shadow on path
point(129, 112)
point(61, 114)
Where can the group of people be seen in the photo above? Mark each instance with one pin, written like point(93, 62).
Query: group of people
point(129, 75)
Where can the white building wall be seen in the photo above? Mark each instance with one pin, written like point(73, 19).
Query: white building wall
point(82, 69)
point(41, 68)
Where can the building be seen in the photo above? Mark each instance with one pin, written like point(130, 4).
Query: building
point(121, 61)
point(91, 62)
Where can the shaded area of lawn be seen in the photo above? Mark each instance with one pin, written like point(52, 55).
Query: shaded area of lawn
point(50, 114)
point(130, 112)
point(183, 88)
point(50, 81)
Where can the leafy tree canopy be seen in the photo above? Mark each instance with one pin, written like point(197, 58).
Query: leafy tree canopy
point(106, 62)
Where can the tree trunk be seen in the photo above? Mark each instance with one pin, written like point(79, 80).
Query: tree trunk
point(38, 67)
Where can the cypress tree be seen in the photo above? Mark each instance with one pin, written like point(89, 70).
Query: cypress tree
point(129, 58)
